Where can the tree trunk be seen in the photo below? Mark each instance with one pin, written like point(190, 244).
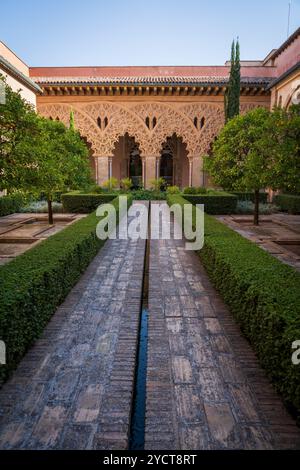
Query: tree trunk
point(256, 207)
point(50, 211)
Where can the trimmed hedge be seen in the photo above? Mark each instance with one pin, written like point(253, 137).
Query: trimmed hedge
point(288, 202)
point(249, 196)
point(215, 202)
point(34, 284)
point(84, 203)
point(263, 294)
point(10, 204)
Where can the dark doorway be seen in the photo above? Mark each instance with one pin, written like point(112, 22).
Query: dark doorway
point(166, 167)
point(135, 168)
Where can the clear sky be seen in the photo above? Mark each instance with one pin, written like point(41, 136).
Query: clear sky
point(132, 32)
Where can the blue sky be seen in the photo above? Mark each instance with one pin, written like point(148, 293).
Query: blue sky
point(131, 32)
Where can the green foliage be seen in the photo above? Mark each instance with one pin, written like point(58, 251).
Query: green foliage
point(126, 184)
point(218, 202)
point(173, 190)
point(18, 133)
point(249, 196)
point(34, 284)
point(247, 207)
point(11, 203)
point(110, 184)
point(83, 203)
point(262, 293)
point(72, 120)
point(288, 202)
point(232, 94)
point(283, 143)
point(41, 207)
point(158, 184)
point(148, 195)
point(195, 190)
point(240, 158)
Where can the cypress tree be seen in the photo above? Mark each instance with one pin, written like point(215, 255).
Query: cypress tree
point(232, 94)
point(72, 120)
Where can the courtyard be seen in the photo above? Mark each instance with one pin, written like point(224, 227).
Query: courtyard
point(149, 233)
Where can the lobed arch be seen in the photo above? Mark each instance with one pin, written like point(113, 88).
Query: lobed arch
point(103, 123)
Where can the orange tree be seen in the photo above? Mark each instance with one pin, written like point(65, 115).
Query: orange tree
point(241, 159)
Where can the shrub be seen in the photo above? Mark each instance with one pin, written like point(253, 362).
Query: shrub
point(288, 202)
point(126, 184)
point(10, 204)
point(157, 184)
point(263, 295)
point(247, 207)
point(217, 202)
point(173, 190)
point(195, 190)
point(190, 190)
point(84, 203)
point(41, 207)
point(249, 196)
point(110, 184)
point(36, 282)
point(148, 195)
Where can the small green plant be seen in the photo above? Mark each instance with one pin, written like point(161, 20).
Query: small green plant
point(173, 190)
point(157, 184)
point(247, 207)
point(126, 184)
point(190, 190)
point(111, 183)
point(201, 190)
point(97, 190)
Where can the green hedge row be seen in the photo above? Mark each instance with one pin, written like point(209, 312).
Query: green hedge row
point(10, 204)
point(288, 202)
point(249, 196)
point(34, 284)
point(84, 203)
point(215, 203)
point(263, 294)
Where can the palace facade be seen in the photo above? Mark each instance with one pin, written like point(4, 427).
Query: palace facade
point(147, 122)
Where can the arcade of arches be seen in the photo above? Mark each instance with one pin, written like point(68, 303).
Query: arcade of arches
point(146, 140)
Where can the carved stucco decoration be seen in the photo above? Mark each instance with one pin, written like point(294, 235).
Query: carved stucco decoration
point(245, 107)
point(131, 118)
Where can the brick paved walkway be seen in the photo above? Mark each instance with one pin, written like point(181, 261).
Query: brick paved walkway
point(205, 389)
point(74, 387)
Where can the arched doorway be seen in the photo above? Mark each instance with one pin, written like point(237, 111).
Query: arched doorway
point(174, 164)
point(126, 161)
point(166, 169)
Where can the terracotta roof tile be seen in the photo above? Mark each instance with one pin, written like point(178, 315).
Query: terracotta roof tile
point(147, 80)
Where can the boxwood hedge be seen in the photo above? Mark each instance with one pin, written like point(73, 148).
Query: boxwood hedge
point(10, 204)
point(288, 202)
point(215, 202)
point(84, 203)
point(262, 293)
point(36, 282)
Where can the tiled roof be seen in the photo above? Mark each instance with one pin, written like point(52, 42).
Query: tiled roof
point(148, 80)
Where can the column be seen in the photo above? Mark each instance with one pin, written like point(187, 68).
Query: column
point(102, 169)
point(109, 167)
point(150, 168)
point(157, 167)
point(143, 171)
point(197, 171)
point(190, 172)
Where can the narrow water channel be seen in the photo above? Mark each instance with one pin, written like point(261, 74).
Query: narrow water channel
point(137, 428)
